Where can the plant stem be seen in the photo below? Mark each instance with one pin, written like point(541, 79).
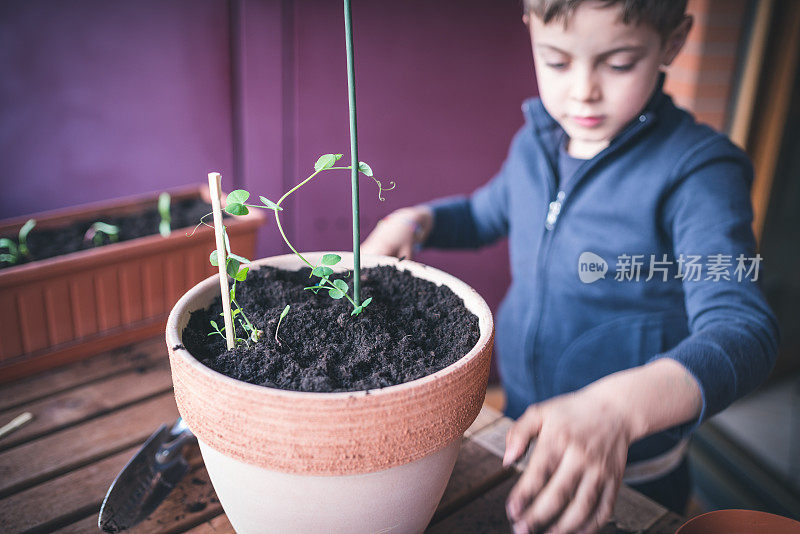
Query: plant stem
point(351, 92)
point(280, 229)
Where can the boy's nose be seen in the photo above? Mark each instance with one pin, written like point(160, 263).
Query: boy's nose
point(585, 87)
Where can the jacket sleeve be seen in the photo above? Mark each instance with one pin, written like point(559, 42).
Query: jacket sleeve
point(481, 219)
point(733, 339)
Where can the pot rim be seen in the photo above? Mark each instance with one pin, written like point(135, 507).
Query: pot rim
point(174, 337)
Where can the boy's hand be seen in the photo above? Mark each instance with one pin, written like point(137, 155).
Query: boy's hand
point(398, 233)
point(575, 468)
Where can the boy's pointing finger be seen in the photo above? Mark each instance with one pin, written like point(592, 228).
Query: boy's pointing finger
point(521, 433)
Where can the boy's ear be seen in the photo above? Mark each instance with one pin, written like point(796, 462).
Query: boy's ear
point(676, 40)
point(526, 19)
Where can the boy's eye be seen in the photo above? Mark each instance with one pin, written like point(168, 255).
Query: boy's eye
point(622, 68)
point(556, 66)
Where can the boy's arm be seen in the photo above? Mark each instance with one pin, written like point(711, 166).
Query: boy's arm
point(734, 335)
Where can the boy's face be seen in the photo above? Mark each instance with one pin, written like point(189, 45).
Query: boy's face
point(596, 73)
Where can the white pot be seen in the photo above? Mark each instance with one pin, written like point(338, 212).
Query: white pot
point(361, 461)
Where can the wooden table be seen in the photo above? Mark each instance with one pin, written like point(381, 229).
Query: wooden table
point(91, 417)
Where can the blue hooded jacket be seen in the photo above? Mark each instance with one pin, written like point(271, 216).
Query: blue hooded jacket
point(665, 185)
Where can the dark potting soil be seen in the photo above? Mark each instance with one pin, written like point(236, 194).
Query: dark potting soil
point(51, 242)
point(412, 328)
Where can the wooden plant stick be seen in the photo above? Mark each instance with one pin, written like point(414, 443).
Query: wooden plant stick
point(214, 187)
point(351, 93)
point(15, 423)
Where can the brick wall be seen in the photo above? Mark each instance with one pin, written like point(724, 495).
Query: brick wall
point(701, 78)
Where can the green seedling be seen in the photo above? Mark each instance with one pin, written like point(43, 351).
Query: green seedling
point(336, 288)
point(237, 205)
point(18, 250)
point(99, 229)
point(164, 227)
point(284, 313)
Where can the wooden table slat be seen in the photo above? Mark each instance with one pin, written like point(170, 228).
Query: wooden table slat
point(48, 457)
point(218, 525)
point(487, 513)
point(486, 416)
point(86, 402)
point(142, 355)
point(476, 472)
point(36, 507)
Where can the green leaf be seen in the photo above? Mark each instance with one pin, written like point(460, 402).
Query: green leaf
point(238, 196)
point(237, 209)
point(8, 258)
point(214, 324)
point(9, 244)
point(326, 161)
point(322, 271)
point(366, 302)
point(26, 229)
point(366, 169)
point(341, 285)
point(163, 204)
point(284, 312)
point(164, 228)
point(331, 259)
point(241, 276)
point(357, 310)
point(335, 294)
point(240, 259)
point(270, 204)
point(232, 267)
point(213, 258)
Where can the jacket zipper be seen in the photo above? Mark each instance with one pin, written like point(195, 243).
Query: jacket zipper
point(554, 211)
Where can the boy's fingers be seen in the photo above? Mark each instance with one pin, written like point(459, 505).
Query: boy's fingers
point(585, 504)
point(521, 433)
point(557, 494)
point(542, 464)
point(605, 509)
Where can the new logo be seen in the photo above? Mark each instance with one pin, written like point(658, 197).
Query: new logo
point(591, 267)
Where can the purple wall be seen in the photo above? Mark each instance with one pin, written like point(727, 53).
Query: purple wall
point(105, 99)
point(102, 99)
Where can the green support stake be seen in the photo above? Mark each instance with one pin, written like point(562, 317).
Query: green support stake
point(351, 91)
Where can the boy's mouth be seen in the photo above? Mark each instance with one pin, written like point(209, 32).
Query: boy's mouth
point(588, 121)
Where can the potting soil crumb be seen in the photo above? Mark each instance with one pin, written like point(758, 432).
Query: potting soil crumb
point(412, 328)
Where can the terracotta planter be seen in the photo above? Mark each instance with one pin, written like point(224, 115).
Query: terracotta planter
point(364, 461)
point(69, 307)
point(739, 522)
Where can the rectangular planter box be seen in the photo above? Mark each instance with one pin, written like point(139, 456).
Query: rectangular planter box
point(65, 308)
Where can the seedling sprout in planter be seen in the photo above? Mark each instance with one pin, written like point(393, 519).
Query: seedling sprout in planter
point(18, 250)
point(237, 205)
point(164, 228)
point(99, 232)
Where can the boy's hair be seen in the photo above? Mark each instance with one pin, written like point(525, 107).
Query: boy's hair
point(663, 15)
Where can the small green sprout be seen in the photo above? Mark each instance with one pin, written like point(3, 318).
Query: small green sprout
point(284, 313)
point(237, 205)
point(164, 227)
point(337, 289)
point(99, 229)
point(20, 249)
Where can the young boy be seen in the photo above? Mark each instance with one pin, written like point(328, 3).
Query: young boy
point(610, 374)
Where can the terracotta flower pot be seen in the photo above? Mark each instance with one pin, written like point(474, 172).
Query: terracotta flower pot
point(739, 522)
point(363, 461)
point(68, 307)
